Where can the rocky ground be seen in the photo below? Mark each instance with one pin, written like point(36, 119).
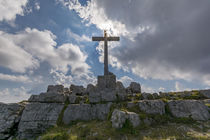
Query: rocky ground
point(107, 110)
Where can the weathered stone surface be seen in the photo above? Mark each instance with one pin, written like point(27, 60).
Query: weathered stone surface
point(94, 97)
point(119, 117)
point(9, 118)
point(155, 95)
point(86, 112)
point(106, 81)
point(205, 93)
point(55, 88)
point(163, 94)
point(90, 88)
point(135, 87)
point(37, 117)
point(77, 90)
point(189, 108)
point(120, 91)
point(48, 97)
point(72, 99)
point(133, 118)
point(184, 94)
point(152, 106)
point(147, 96)
point(108, 95)
point(206, 101)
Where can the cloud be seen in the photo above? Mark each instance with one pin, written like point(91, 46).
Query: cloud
point(15, 78)
point(180, 87)
point(26, 49)
point(37, 6)
point(10, 8)
point(126, 80)
point(13, 95)
point(170, 39)
point(76, 37)
point(13, 56)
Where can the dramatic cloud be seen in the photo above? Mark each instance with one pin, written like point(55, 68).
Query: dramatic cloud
point(170, 39)
point(28, 48)
point(15, 78)
point(10, 8)
point(14, 95)
point(76, 37)
point(126, 80)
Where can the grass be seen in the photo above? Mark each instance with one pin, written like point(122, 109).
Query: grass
point(102, 130)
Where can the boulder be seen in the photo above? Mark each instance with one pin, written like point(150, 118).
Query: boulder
point(9, 118)
point(119, 117)
point(55, 88)
point(205, 93)
point(77, 90)
point(185, 94)
point(189, 108)
point(147, 96)
point(135, 87)
point(37, 117)
point(120, 91)
point(94, 97)
point(48, 97)
point(164, 94)
point(106, 82)
point(72, 99)
point(152, 106)
point(108, 95)
point(86, 112)
point(155, 95)
point(90, 88)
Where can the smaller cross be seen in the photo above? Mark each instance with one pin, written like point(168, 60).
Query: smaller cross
point(105, 39)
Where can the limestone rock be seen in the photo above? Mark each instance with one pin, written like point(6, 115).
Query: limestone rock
point(37, 117)
point(205, 93)
point(189, 108)
point(135, 87)
point(120, 91)
point(108, 95)
point(94, 97)
point(77, 90)
point(119, 117)
point(155, 95)
point(147, 96)
point(163, 94)
point(90, 88)
point(106, 81)
point(9, 118)
point(72, 99)
point(48, 97)
point(86, 112)
point(152, 106)
point(55, 88)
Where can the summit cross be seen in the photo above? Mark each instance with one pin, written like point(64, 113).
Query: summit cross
point(106, 39)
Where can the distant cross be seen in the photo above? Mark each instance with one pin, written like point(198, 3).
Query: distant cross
point(105, 39)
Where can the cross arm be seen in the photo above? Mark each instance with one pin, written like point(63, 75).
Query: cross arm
point(97, 38)
point(113, 38)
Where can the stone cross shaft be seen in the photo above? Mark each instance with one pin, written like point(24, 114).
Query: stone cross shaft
point(105, 39)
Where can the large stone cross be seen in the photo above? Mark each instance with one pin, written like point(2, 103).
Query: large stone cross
point(105, 39)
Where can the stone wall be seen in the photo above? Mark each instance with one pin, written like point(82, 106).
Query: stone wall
point(76, 103)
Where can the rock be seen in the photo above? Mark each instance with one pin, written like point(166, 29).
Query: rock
point(108, 95)
point(148, 121)
point(133, 118)
point(120, 91)
point(37, 117)
point(9, 118)
point(77, 90)
point(106, 82)
point(155, 95)
point(152, 106)
point(164, 94)
point(119, 117)
point(48, 97)
point(135, 87)
point(147, 96)
point(72, 99)
point(86, 112)
point(205, 93)
point(90, 88)
point(55, 88)
point(94, 97)
point(206, 101)
point(189, 108)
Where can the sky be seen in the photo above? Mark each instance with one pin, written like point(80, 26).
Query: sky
point(164, 45)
